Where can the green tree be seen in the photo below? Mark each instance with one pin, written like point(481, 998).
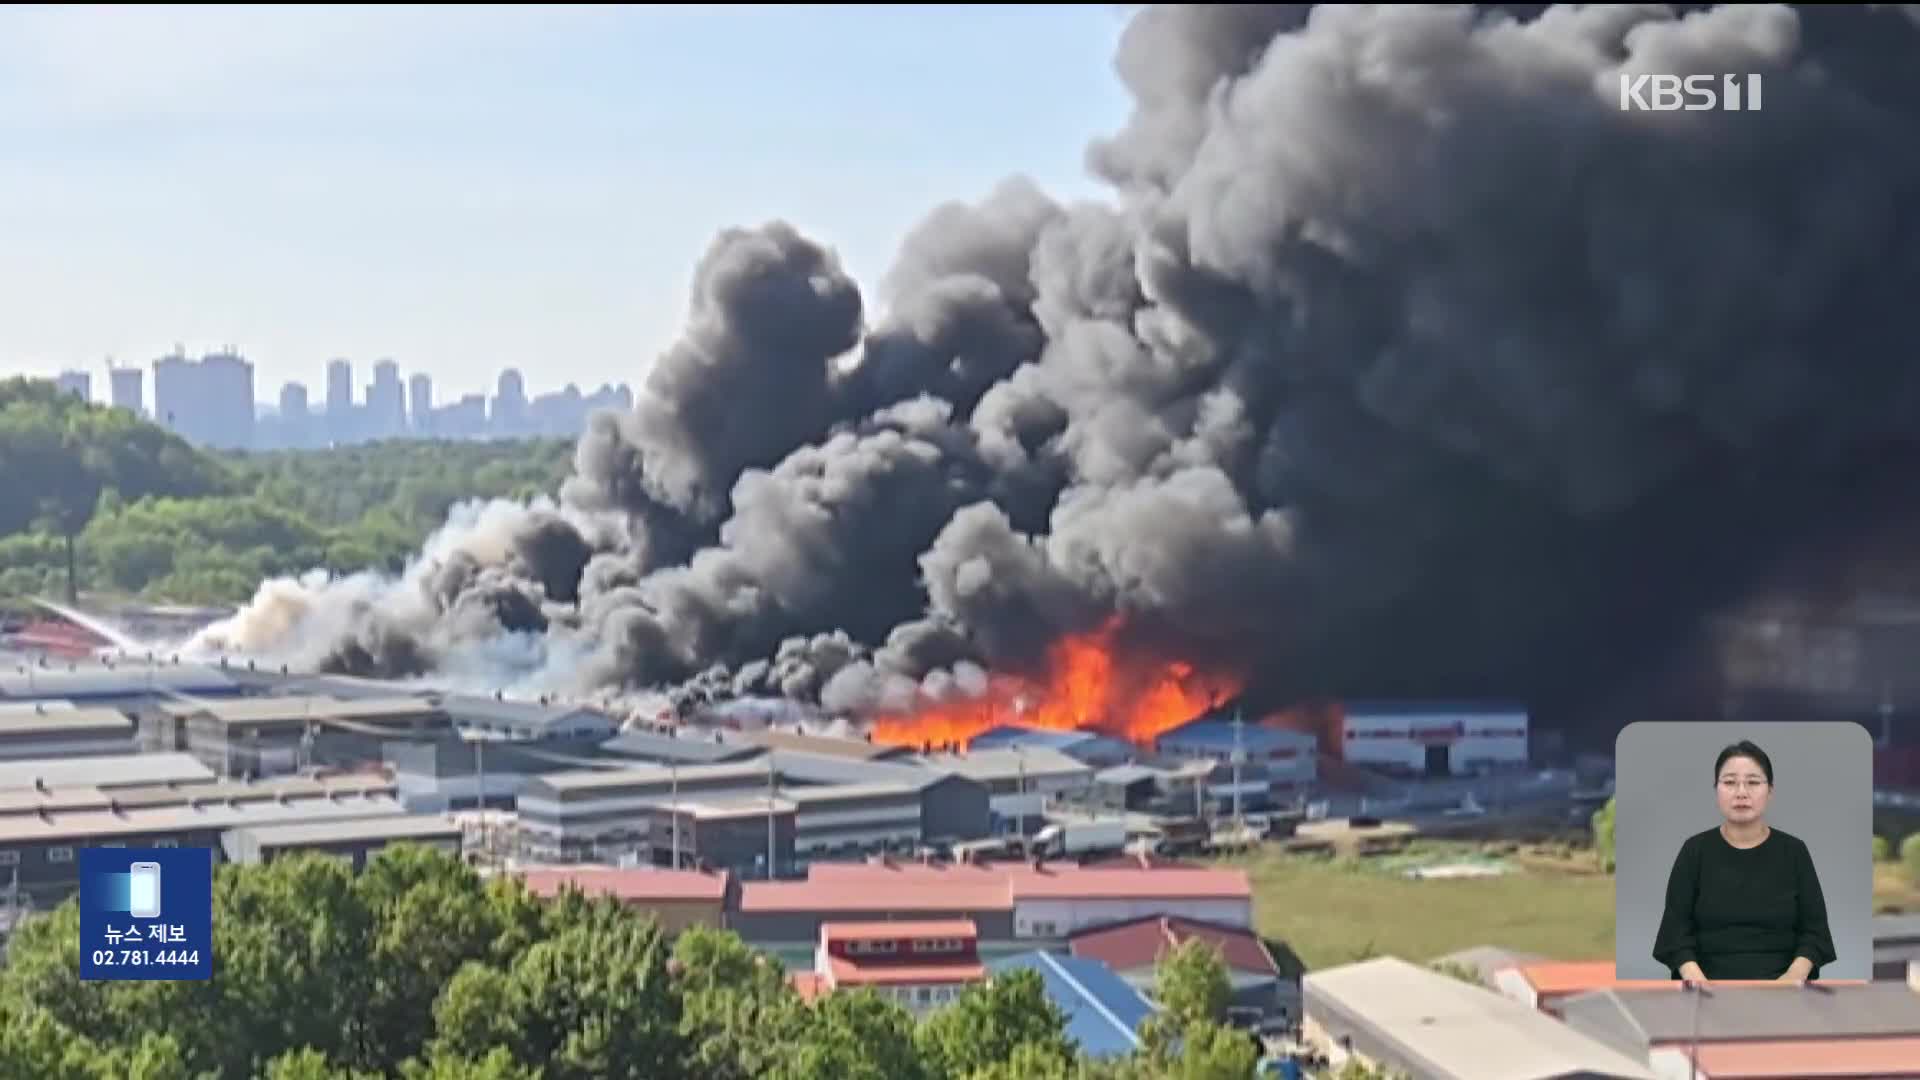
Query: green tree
point(739, 1012)
point(1190, 983)
point(1910, 856)
point(990, 1022)
point(853, 1035)
point(1603, 835)
point(1882, 849)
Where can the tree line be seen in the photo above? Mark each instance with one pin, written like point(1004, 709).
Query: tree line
point(101, 500)
point(419, 968)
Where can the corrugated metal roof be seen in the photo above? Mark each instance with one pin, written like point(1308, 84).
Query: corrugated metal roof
point(647, 746)
point(1129, 774)
point(637, 775)
point(1007, 735)
point(1218, 735)
point(991, 765)
point(1811, 1059)
point(1443, 1028)
point(1142, 942)
point(274, 708)
point(627, 884)
point(1814, 1010)
point(67, 721)
point(99, 681)
point(349, 830)
point(1102, 1011)
point(107, 770)
point(894, 931)
point(826, 745)
point(806, 795)
point(96, 825)
point(529, 715)
point(1434, 708)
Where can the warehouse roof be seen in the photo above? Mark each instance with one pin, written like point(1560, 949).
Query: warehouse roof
point(1141, 943)
point(96, 681)
point(614, 779)
point(1434, 708)
point(988, 766)
point(107, 770)
point(687, 750)
point(631, 885)
point(279, 709)
point(891, 886)
point(826, 745)
point(1636, 1018)
point(1102, 1011)
point(1218, 735)
point(1437, 1026)
point(532, 719)
point(82, 826)
point(67, 721)
point(353, 830)
point(806, 795)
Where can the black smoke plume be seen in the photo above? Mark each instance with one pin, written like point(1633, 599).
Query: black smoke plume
point(1403, 360)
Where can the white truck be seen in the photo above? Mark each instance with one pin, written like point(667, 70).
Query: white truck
point(1080, 838)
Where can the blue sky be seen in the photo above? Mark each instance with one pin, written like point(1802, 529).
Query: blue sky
point(464, 190)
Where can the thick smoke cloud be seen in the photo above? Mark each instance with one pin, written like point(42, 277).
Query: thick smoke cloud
point(1403, 360)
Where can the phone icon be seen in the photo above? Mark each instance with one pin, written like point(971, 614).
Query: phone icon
point(143, 890)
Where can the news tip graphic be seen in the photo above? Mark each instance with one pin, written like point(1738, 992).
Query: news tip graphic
point(146, 913)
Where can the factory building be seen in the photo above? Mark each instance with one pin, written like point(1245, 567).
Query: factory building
point(1021, 783)
point(838, 807)
point(920, 966)
point(1434, 739)
point(272, 736)
point(353, 840)
point(57, 729)
point(41, 830)
point(734, 833)
point(1281, 757)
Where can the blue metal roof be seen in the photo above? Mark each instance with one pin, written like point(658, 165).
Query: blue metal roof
point(1218, 734)
point(1103, 1012)
point(1010, 735)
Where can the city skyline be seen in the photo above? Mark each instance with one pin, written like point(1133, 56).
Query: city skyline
point(214, 400)
point(310, 183)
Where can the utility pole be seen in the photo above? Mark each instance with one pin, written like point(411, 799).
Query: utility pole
point(772, 846)
point(1239, 759)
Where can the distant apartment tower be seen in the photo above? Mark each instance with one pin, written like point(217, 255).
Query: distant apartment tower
point(420, 403)
point(127, 387)
point(386, 402)
point(77, 383)
point(339, 387)
point(296, 416)
point(208, 402)
point(510, 404)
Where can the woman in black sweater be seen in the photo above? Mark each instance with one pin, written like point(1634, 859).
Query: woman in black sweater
point(1743, 900)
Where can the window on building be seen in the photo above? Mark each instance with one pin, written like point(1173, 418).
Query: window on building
point(166, 843)
point(9, 858)
point(59, 854)
point(924, 995)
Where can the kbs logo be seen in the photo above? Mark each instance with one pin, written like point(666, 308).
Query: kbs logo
point(1694, 93)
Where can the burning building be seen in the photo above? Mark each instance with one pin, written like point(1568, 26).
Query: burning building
point(1404, 362)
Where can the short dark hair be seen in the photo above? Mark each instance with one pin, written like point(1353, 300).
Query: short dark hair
point(1746, 749)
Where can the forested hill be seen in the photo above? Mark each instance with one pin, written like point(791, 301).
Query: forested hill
point(150, 515)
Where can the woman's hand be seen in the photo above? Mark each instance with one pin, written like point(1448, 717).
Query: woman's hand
point(1690, 971)
point(1797, 971)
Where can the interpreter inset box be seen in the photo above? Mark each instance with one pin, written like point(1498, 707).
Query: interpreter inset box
point(1743, 852)
point(146, 913)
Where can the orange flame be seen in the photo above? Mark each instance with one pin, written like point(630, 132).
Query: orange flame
point(1088, 686)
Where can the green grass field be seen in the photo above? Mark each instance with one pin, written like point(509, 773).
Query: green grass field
point(1335, 911)
point(1551, 901)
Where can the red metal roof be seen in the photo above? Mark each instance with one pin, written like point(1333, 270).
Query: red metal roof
point(1808, 1059)
point(894, 931)
point(856, 896)
point(628, 885)
point(1140, 944)
point(846, 972)
point(1581, 976)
